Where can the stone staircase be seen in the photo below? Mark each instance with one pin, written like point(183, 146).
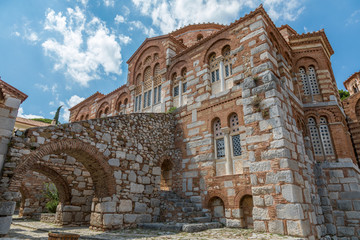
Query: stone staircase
point(179, 214)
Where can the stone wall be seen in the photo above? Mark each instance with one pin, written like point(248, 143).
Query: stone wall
point(118, 157)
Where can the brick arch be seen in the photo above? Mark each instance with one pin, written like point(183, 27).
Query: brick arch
point(175, 68)
point(321, 112)
point(102, 108)
point(211, 48)
point(306, 62)
point(214, 195)
point(245, 191)
point(94, 162)
point(121, 98)
point(61, 184)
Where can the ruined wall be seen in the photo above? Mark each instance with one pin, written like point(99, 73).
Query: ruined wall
point(122, 157)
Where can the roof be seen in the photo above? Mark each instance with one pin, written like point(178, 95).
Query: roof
point(7, 88)
point(353, 75)
point(289, 28)
point(31, 122)
point(97, 94)
point(200, 26)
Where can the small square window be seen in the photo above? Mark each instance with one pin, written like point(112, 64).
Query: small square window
point(184, 87)
point(176, 91)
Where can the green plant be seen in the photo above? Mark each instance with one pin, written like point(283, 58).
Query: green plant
point(265, 113)
point(44, 120)
point(57, 114)
point(51, 194)
point(343, 94)
point(171, 110)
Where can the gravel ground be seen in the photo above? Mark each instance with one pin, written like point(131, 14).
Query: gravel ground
point(28, 229)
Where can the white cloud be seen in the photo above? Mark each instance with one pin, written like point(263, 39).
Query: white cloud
point(16, 34)
point(150, 32)
point(126, 10)
point(119, 19)
point(86, 47)
point(43, 87)
point(170, 15)
point(72, 101)
point(28, 116)
point(354, 18)
point(124, 39)
point(83, 2)
point(75, 99)
point(109, 3)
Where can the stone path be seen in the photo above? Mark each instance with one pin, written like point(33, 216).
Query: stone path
point(38, 230)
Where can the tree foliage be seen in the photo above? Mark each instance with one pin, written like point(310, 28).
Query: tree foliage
point(51, 194)
point(57, 114)
point(344, 94)
point(44, 120)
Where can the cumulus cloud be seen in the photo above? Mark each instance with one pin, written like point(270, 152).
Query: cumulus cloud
point(169, 15)
point(150, 32)
point(109, 3)
point(124, 39)
point(43, 87)
point(119, 19)
point(75, 99)
point(72, 101)
point(28, 116)
point(86, 47)
point(354, 18)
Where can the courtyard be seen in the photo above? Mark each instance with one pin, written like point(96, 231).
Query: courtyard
point(30, 229)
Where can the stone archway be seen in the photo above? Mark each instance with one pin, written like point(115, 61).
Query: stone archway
point(166, 175)
point(217, 208)
point(246, 208)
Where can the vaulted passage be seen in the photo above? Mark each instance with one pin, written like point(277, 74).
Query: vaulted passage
point(246, 208)
point(166, 175)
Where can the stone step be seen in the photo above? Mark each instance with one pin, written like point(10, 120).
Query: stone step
point(177, 227)
point(202, 219)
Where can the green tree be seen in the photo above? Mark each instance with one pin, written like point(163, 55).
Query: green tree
point(57, 114)
point(51, 194)
point(344, 94)
point(45, 120)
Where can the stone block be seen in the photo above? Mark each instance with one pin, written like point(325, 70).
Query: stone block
point(114, 162)
point(350, 195)
point(7, 208)
point(289, 211)
point(140, 207)
point(156, 171)
point(125, 206)
point(259, 226)
point(353, 214)
point(136, 188)
point(344, 205)
point(233, 223)
point(260, 214)
point(292, 193)
point(5, 223)
point(258, 201)
point(276, 226)
point(262, 190)
point(345, 231)
point(69, 208)
point(130, 218)
point(260, 166)
point(12, 102)
point(298, 228)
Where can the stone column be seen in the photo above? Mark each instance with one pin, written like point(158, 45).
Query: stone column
point(221, 73)
point(228, 164)
point(180, 93)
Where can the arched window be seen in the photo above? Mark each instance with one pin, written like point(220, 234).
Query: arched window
point(87, 116)
point(218, 139)
point(157, 84)
point(235, 136)
point(147, 85)
point(325, 137)
point(156, 56)
point(199, 37)
point(100, 113)
point(304, 80)
point(176, 87)
point(214, 68)
point(106, 112)
point(82, 117)
point(227, 61)
point(313, 81)
point(147, 61)
point(147, 74)
point(181, 40)
point(355, 89)
point(138, 79)
point(315, 138)
point(125, 101)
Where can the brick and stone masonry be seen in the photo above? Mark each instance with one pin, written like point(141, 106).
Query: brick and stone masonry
point(258, 137)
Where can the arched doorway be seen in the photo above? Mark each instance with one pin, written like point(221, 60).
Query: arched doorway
point(166, 175)
point(246, 208)
point(217, 208)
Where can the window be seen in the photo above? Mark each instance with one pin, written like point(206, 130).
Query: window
point(157, 94)
point(214, 68)
point(219, 139)
point(184, 87)
point(176, 91)
point(325, 137)
point(149, 98)
point(227, 61)
point(235, 136)
point(199, 37)
point(309, 81)
point(138, 103)
point(315, 138)
point(145, 99)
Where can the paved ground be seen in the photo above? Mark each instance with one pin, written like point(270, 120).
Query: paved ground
point(37, 230)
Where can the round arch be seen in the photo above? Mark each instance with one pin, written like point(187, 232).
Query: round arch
point(94, 162)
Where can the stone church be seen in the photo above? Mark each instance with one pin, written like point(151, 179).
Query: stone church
point(238, 124)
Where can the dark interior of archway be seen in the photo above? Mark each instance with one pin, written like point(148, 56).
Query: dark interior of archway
point(103, 181)
point(60, 183)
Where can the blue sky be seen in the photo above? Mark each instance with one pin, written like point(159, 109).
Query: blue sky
point(61, 51)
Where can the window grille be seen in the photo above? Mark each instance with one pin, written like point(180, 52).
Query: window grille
point(304, 81)
point(236, 145)
point(325, 137)
point(234, 123)
point(176, 91)
point(149, 98)
point(313, 81)
point(147, 74)
point(155, 95)
point(214, 68)
point(217, 128)
point(227, 61)
point(147, 60)
point(139, 107)
point(220, 148)
point(136, 103)
point(145, 99)
point(315, 138)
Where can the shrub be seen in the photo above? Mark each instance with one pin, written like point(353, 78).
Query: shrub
point(51, 194)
